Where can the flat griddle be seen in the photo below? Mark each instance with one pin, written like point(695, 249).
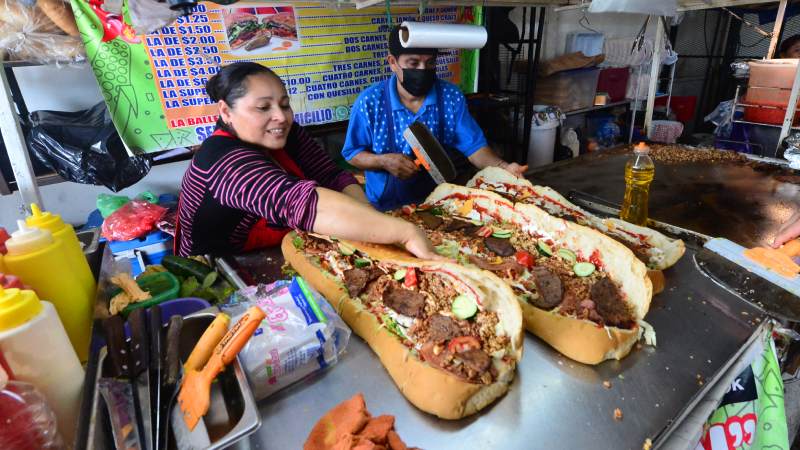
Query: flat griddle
point(554, 402)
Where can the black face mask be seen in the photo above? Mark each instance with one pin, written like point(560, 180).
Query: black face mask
point(418, 81)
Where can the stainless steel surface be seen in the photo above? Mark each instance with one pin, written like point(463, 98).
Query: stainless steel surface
point(553, 402)
point(229, 273)
point(425, 144)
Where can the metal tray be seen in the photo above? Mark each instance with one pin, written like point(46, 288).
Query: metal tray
point(554, 402)
point(232, 413)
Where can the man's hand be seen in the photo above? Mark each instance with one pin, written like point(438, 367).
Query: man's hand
point(516, 169)
point(788, 231)
point(398, 165)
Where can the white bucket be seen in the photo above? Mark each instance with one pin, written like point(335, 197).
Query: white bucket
point(542, 140)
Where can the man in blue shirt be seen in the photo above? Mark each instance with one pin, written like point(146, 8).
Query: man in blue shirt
point(375, 143)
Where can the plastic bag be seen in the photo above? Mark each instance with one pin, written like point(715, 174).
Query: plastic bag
point(84, 147)
point(135, 218)
point(301, 335)
point(44, 33)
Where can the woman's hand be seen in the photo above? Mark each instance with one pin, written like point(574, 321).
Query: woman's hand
point(417, 243)
point(789, 230)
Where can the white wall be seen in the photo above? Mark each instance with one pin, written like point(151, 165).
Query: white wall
point(612, 25)
point(72, 89)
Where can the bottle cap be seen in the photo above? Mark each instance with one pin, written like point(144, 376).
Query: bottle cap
point(26, 240)
point(44, 219)
point(17, 306)
point(641, 148)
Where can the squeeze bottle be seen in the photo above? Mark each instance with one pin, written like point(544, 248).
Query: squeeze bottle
point(28, 422)
point(43, 264)
point(36, 349)
point(66, 234)
point(3, 238)
point(639, 173)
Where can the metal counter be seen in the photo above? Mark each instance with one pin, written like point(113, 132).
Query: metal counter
point(553, 402)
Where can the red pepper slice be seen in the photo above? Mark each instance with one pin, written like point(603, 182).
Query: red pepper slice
point(409, 209)
point(463, 343)
point(484, 231)
point(525, 259)
point(411, 277)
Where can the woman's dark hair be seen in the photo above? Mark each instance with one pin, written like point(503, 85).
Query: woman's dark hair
point(787, 44)
point(229, 84)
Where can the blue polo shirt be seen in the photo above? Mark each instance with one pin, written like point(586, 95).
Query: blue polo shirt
point(368, 130)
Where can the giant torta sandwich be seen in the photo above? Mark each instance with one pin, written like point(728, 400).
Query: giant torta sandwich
point(580, 291)
point(651, 247)
point(449, 336)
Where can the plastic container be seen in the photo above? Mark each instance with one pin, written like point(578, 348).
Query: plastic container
point(37, 350)
point(28, 422)
point(639, 173)
point(591, 44)
point(665, 131)
point(43, 264)
point(66, 235)
point(773, 113)
point(161, 286)
point(569, 90)
point(777, 73)
point(613, 81)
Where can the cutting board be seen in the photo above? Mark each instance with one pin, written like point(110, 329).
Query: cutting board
point(724, 262)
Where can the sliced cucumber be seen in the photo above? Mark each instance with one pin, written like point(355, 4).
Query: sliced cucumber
point(544, 248)
point(345, 249)
point(464, 307)
point(568, 255)
point(362, 262)
point(583, 269)
point(400, 274)
point(477, 223)
point(501, 233)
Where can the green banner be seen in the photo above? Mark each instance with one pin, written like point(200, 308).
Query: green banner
point(751, 415)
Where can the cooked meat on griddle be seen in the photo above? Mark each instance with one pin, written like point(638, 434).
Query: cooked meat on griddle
point(549, 287)
point(610, 304)
point(500, 247)
point(404, 301)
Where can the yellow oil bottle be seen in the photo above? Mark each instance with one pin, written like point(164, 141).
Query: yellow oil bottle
point(639, 173)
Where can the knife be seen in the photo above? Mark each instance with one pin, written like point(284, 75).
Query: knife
point(429, 153)
point(156, 367)
point(140, 373)
point(119, 394)
point(169, 378)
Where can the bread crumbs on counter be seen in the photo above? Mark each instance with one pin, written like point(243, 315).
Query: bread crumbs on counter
point(617, 414)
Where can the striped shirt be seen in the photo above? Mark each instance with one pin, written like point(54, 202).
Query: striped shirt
point(230, 185)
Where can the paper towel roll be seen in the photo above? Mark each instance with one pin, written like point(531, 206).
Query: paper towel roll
point(442, 35)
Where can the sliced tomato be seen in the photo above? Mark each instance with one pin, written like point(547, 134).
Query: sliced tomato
point(484, 231)
point(525, 259)
point(411, 277)
point(408, 209)
point(463, 343)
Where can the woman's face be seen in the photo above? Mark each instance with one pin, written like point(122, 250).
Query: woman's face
point(793, 51)
point(263, 115)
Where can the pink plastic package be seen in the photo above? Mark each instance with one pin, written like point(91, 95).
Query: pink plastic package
point(134, 219)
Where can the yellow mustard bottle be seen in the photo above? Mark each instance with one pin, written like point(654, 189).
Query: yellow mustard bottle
point(43, 264)
point(60, 231)
point(639, 173)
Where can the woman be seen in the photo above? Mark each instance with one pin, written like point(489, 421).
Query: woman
point(260, 175)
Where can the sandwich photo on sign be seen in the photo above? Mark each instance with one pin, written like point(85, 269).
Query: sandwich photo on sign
point(260, 30)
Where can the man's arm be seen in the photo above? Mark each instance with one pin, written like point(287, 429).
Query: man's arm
point(396, 164)
point(485, 157)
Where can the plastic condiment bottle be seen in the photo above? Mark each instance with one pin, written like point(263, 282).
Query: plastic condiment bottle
point(43, 264)
point(36, 348)
point(27, 421)
point(639, 173)
point(66, 234)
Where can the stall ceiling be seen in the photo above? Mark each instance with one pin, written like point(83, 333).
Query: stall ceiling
point(685, 5)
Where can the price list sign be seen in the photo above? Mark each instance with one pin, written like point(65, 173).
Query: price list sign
point(154, 84)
